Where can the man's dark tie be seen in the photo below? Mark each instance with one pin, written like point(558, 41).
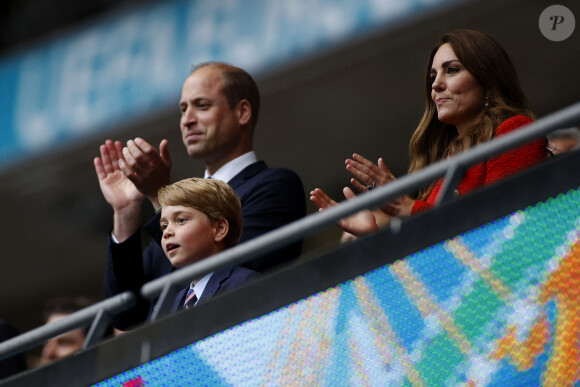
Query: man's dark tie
point(190, 300)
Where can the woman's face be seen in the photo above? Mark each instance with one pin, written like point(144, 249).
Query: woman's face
point(456, 93)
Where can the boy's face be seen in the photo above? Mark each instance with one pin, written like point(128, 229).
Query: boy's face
point(189, 235)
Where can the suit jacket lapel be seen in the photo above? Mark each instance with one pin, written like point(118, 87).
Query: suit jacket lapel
point(211, 288)
point(214, 284)
point(247, 173)
point(179, 299)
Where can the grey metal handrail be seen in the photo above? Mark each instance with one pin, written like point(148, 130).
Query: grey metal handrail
point(97, 315)
point(451, 168)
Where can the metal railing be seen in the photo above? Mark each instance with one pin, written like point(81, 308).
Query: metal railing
point(98, 316)
point(166, 288)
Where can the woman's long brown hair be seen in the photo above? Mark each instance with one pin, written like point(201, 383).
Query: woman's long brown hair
point(488, 62)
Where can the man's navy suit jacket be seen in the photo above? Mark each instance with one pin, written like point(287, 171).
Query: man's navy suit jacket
point(270, 197)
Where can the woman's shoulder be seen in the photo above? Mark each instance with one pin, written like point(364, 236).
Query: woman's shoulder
point(512, 124)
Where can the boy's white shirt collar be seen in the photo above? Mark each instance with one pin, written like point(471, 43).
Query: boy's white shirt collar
point(231, 169)
point(200, 286)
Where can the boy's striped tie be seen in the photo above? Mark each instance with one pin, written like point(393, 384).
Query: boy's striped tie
point(191, 299)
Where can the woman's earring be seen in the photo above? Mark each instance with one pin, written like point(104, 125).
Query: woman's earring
point(486, 101)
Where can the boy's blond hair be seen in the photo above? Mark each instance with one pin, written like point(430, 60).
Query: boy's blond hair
point(213, 197)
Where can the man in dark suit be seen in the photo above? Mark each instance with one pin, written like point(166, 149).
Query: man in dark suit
point(219, 106)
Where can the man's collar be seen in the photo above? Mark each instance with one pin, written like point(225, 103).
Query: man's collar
point(231, 169)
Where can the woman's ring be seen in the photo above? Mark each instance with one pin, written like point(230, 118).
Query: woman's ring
point(371, 186)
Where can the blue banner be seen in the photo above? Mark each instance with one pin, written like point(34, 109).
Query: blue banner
point(133, 63)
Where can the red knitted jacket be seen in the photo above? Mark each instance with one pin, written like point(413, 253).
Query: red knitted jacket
point(495, 169)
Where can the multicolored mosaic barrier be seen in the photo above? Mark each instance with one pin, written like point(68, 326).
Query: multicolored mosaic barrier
point(498, 305)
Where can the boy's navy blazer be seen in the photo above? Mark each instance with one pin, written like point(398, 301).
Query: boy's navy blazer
point(220, 281)
point(270, 197)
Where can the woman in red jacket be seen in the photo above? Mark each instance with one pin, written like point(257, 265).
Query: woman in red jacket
point(472, 95)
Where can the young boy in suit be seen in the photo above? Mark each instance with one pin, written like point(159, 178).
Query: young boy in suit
point(200, 218)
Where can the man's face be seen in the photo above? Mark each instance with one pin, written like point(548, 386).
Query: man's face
point(62, 346)
point(209, 128)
